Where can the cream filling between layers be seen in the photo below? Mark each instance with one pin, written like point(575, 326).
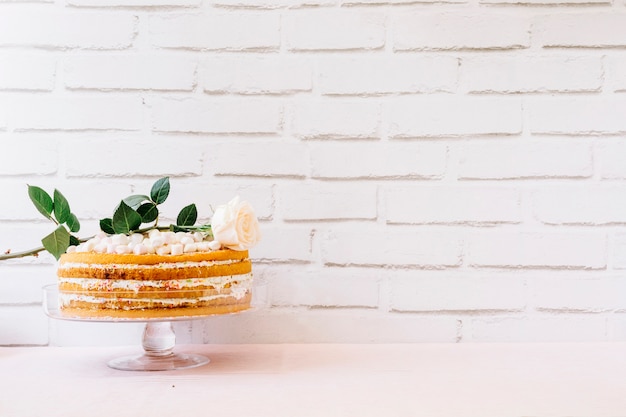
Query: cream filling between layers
point(66, 300)
point(164, 265)
point(218, 283)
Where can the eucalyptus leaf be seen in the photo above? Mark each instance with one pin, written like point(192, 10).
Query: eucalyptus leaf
point(125, 219)
point(106, 225)
point(160, 190)
point(57, 242)
point(148, 212)
point(134, 201)
point(187, 216)
point(41, 200)
point(61, 207)
point(73, 223)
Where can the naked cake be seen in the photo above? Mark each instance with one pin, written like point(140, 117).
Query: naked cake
point(162, 273)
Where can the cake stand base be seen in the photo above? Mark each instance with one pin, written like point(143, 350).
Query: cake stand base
point(158, 344)
point(146, 362)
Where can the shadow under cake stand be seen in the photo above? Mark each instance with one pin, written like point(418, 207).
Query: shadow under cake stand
point(158, 339)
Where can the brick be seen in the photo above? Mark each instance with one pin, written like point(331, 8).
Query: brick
point(393, 160)
point(19, 206)
point(587, 205)
point(27, 72)
point(329, 326)
point(93, 156)
point(334, 29)
point(23, 325)
point(43, 155)
point(452, 205)
point(76, 113)
point(545, 158)
point(373, 246)
point(272, 4)
point(4, 117)
point(531, 74)
point(207, 196)
point(546, 2)
point(216, 31)
point(618, 251)
point(25, 283)
point(610, 156)
point(261, 159)
point(616, 73)
point(588, 30)
point(577, 115)
point(256, 75)
point(539, 329)
point(578, 293)
point(429, 291)
point(407, 2)
point(328, 201)
point(333, 119)
point(329, 287)
point(222, 115)
point(440, 31)
point(375, 75)
point(283, 244)
point(134, 3)
point(129, 72)
point(570, 250)
point(451, 116)
point(617, 327)
point(61, 30)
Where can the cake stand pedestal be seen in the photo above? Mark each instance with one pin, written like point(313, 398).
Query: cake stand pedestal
point(158, 344)
point(158, 339)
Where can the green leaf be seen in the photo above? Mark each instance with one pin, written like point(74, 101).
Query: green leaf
point(135, 201)
point(41, 200)
point(61, 207)
point(74, 241)
point(73, 223)
point(106, 225)
point(187, 216)
point(160, 190)
point(57, 242)
point(125, 219)
point(148, 212)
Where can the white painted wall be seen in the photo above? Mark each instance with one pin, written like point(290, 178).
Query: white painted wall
point(424, 171)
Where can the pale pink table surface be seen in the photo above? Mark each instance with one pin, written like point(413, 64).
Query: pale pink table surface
point(453, 380)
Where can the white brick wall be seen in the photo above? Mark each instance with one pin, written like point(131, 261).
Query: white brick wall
point(448, 171)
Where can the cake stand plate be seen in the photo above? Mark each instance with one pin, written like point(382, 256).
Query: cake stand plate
point(158, 339)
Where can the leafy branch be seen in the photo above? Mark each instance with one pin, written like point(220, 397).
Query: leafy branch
point(131, 214)
point(56, 209)
point(137, 210)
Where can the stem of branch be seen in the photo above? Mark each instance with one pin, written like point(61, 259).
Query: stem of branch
point(30, 252)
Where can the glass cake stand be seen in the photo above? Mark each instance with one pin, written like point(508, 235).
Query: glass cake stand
point(158, 339)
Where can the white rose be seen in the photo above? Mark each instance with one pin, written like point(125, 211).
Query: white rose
point(235, 225)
